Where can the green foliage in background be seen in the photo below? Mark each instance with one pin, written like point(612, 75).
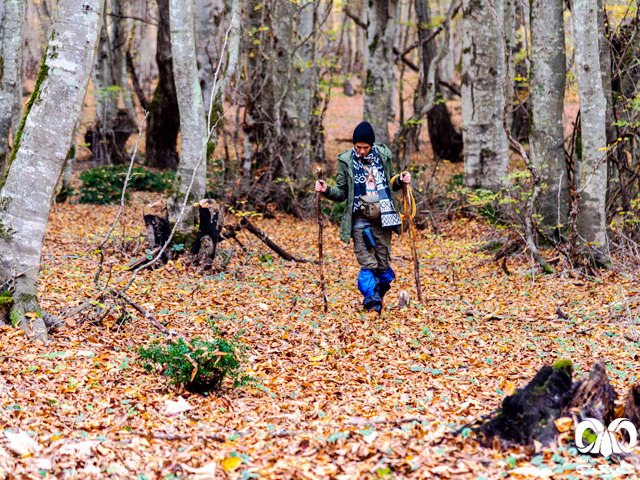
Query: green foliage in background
point(103, 185)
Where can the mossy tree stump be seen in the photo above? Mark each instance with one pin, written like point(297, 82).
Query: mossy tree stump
point(529, 415)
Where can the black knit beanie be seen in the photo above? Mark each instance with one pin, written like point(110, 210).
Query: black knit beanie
point(364, 133)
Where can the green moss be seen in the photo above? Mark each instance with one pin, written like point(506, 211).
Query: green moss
point(6, 298)
point(28, 299)
point(15, 318)
point(564, 364)
point(539, 390)
point(35, 96)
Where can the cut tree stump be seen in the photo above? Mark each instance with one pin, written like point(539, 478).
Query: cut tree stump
point(158, 232)
point(529, 415)
point(211, 222)
point(632, 405)
point(594, 396)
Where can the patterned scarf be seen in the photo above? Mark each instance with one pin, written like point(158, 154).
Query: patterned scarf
point(388, 214)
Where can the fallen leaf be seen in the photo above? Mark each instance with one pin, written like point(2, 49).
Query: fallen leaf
point(203, 472)
point(173, 408)
point(563, 424)
point(21, 443)
point(231, 463)
point(532, 472)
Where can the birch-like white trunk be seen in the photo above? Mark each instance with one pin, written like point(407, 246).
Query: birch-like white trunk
point(379, 83)
point(483, 73)
point(191, 176)
point(11, 36)
point(546, 98)
point(593, 105)
point(40, 151)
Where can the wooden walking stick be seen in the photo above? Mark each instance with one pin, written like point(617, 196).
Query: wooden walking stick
point(408, 215)
point(320, 255)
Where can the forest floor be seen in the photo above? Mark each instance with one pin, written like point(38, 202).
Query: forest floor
point(338, 395)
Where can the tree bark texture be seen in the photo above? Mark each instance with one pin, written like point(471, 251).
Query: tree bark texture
point(191, 177)
point(605, 71)
point(164, 120)
point(113, 126)
point(280, 117)
point(485, 141)
point(214, 104)
point(593, 165)
point(11, 36)
point(446, 141)
point(509, 28)
point(379, 82)
point(121, 31)
point(305, 91)
point(40, 151)
point(546, 97)
point(105, 85)
point(208, 19)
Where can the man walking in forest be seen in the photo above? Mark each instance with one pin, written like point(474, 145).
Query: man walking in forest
point(365, 182)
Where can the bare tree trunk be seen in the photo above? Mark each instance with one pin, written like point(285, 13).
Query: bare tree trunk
point(605, 72)
point(377, 91)
point(546, 101)
point(208, 20)
point(191, 177)
point(40, 150)
point(362, 52)
point(228, 66)
point(112, 126)
point(445, 140)
point(593, 106)
point(121, 32)
point(305, 90)
point(509, 27)
point(11, 35)
point(105, 82)
point(44, 16)
point(164, 120)
point(485, 142)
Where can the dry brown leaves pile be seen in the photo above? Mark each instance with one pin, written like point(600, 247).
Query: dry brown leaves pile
point(337, 397)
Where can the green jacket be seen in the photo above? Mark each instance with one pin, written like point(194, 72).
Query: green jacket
point(344, 186)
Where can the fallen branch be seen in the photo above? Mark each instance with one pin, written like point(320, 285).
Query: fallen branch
point(245, 223)
point(154, 321)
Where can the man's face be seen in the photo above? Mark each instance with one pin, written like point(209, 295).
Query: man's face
point(362, 149)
